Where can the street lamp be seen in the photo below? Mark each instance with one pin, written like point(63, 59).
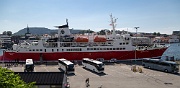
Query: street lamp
point(136, 43)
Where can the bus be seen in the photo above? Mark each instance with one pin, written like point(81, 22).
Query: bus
point(29, 66)
point(66, 66)
point(93, 65)
point(167, 66)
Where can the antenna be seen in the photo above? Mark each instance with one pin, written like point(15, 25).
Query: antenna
point(127, 30)
point(66, 21)
point(27, 29)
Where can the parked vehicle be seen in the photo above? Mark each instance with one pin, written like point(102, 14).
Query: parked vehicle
point(167, 66)
point(66, 66)
point(93, 65)
point(29, 66)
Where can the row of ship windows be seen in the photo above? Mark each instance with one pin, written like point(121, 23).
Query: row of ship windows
point(124, 43)
point(81, 49)
point(54, 49)
point(73, 49)
point(41, 50)
point(35, 50)
point(106, 48)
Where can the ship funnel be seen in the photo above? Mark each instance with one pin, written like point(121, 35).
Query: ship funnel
point(63, 30)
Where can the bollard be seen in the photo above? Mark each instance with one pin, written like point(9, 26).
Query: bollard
point(140, 70)
point(133, 68)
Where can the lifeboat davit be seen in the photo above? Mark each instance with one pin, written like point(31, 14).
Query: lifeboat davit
point(82, 39)
point(100, 39)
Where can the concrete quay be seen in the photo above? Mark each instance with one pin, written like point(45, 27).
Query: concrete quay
point(114, 76)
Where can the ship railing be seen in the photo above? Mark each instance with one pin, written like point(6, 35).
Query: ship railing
point(50, 46)
point(148, 47)
point(81, 44)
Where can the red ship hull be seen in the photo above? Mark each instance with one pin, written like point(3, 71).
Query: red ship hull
point(54, 56)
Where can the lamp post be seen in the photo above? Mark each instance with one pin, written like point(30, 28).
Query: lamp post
point(136, 43)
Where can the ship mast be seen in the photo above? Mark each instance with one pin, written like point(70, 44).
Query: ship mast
point(113, 21)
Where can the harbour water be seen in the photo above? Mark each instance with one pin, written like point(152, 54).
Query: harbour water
point(173, 50)
point(1, 52)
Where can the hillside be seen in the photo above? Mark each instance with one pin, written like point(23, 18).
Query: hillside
point(41, 31)
point(35, 31)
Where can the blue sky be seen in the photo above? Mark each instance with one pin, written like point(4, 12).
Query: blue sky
point(150, 15)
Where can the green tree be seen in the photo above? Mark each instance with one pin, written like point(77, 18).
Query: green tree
point(165, 35)
point(4, 32)
point(103, 32)
point(9, 33)
point(154, 33)
point(158, 34)
point(86, 31)
point(10, 80)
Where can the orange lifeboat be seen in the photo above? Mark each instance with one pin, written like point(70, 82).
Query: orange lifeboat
point(81, 39)
point(100, 39)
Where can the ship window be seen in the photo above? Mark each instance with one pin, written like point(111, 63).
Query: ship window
point(57, 49)
point(123, 43)
point(97, 48)
point(120, 48)
point(45, 50)
point(123, 48)
point(94, 48)
point(80, 50)
point(100, 48)
point(87, 48)
point(91, 48)
point(33, 50)
point(120, 43)
point(40, 49)
point(107, 48)
point(62, 49)
point(110, 48)
point(37, 49)
point(104, 48)
point(127, 43)
point(113, 48)
point(52, 50)
point(29, 50)
point(117, 48)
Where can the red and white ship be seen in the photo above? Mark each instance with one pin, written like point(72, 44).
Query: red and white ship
point(75, 47)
